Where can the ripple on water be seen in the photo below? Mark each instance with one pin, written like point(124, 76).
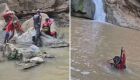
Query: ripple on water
point(74, 78)
point(107, 69)
point(75, 69)
point(85, 72)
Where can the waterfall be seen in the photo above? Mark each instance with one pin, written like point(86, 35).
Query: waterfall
point(99, 11)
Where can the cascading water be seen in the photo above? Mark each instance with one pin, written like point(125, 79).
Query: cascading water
point(99, 11)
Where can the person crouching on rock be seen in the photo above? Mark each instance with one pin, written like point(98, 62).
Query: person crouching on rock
point(37, 18)
point(120, 61)
point(9, 28)
point(46, 28)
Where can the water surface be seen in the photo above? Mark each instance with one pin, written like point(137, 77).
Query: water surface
point(93, 43)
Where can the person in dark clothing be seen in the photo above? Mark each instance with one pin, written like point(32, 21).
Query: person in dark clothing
point(37, 18)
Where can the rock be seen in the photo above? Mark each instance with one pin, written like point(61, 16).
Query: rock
point(83, 8)
point(26, 38)
point(25, 51)
point(111, 1)
point(125, 13)
point(37, 60)
point(62, 20)
point(34, 48)
point(30, 6)
point(62, 7)
point(29, 23)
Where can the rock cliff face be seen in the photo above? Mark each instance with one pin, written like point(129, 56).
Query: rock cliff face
point(29, 6)
point(83, 8)
point(24, 9)
point(125, 13)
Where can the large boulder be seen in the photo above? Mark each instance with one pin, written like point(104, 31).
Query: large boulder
point(125, 13)
point(83, 8)
point(29, 6)
point(3, 8)
point(29, 23)
point(26, 38)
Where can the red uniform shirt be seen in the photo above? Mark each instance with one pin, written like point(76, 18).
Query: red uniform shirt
point(122, 65)
point(10, 26)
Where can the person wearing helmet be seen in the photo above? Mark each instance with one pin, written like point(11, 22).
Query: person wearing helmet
point(46, 28)
point(37, 18)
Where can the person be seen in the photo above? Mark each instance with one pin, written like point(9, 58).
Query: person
point(37, 18)
point(9, 28)
point(46, 28)
point(120, 61)
point(7, 17)
point(11, 25)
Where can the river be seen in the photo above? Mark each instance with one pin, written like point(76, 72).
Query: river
point(93, 43)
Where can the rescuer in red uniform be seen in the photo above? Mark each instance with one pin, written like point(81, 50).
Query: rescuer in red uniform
point(46, 28)
point(11, 25)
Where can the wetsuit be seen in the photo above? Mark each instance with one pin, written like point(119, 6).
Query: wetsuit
point(37, 25)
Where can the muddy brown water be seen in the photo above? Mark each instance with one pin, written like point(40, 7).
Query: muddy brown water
point(93, 43)
point(54, 69)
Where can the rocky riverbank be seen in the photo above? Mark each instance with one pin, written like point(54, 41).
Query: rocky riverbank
point(23, 44)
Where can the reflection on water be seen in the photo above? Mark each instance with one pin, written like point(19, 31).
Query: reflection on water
point(94, 43)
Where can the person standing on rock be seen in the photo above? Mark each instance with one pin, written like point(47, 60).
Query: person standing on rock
point(37, 18)
point(11, 25)
point(9, 28)
point(7, 17)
